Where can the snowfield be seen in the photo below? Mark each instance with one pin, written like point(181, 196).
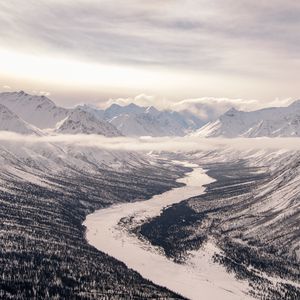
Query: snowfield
point(198, 277)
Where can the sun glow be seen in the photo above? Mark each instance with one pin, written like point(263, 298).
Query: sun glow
point(69, 72)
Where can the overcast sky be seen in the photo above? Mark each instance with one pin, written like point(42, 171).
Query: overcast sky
point(90, 51)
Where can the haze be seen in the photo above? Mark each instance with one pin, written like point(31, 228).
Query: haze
point(146, 144)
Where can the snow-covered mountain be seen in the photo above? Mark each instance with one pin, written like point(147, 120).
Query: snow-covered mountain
point(129, 120)
point(134, 120)
point(11, 122)
point(116, 110)
point(42, 113)
point(269, 122)
point(82, 121)
point(39, 111)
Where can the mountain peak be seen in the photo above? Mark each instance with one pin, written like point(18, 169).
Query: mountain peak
point(231, 112)
point(24, 97)
point(151, 110)
point(268, 122)
point(116, 109)
point(296, 103)
point(21, 93)
point(114, 105)
point(81, 121)
point(37, 110)
point(132, 105)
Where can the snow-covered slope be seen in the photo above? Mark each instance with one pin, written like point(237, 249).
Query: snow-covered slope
point(273, 206)
point(130, 120)
point(270, 122)
point(36, 110)
point(161, 124)
point(44, 114)
point(134, 120)
point(84, 122)
point(11, 122)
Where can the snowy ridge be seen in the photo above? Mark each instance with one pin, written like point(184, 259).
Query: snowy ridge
point(81, 121)
point(39, 111)
point(134, 120)
point(44, 114)
point(273, 206)
point(11, 122)
point(129, 120)
point(20, 159)
point(268, 122)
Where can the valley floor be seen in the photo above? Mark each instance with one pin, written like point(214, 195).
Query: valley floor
point(235, 236)
point(110, 231)
point(241, 215)
point(213, 242)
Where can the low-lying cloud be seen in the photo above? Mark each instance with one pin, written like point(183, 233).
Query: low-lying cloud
point(146, 144)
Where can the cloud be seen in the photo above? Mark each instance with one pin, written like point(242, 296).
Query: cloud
point(209, 108)
point(141, 100)
point(146, 144)
point(41, 93)
point(200, 33)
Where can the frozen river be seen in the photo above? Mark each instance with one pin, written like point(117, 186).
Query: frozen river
point(199, 278)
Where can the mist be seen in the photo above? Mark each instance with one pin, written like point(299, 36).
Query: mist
point(146, 144)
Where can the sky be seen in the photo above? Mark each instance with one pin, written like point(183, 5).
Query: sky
point(163, 51)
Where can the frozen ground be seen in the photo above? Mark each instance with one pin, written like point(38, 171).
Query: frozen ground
point(198, 277)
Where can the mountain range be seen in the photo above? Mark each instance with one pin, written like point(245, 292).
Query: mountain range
point(116, 120)
point(268, 122)
point(134, 120)
point(31, 114)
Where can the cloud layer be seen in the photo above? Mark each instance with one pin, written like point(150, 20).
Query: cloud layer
point(146, 144)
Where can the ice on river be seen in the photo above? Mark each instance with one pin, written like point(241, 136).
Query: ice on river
point(199, 278)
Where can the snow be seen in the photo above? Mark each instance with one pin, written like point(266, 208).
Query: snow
point(199, 276)
point(81, 121)
point(11, 122)
point(39, 159)
point(134, 120)
point(36, 110)
point(129, 120)
point(270, 122)
point(25, 176)
point(44, 114)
